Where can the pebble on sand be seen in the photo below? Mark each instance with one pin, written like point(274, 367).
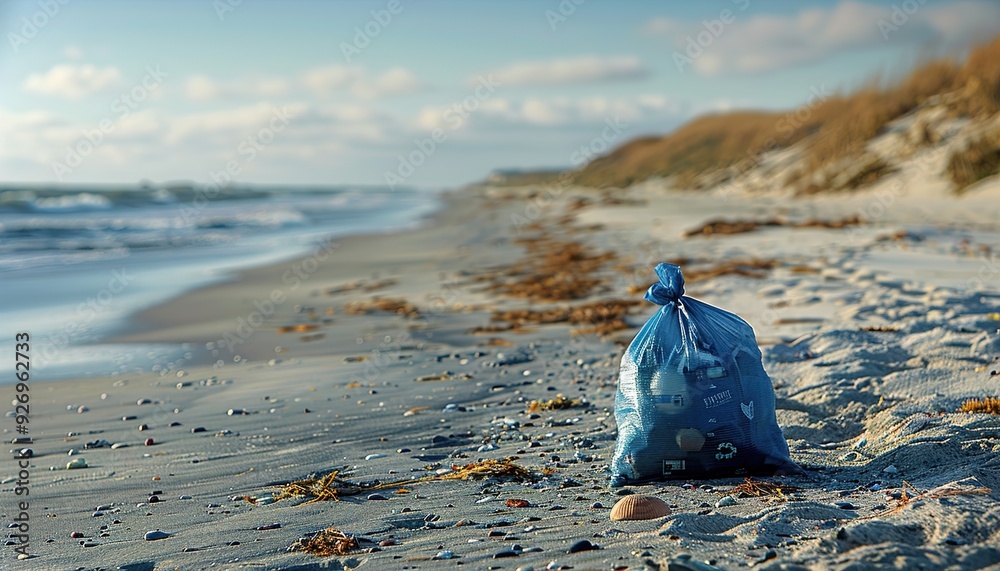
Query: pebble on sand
point(582, 545)
point(76, 463)
point(156, 534)
point(150, 442)
point(443, 555)
point(726, 501)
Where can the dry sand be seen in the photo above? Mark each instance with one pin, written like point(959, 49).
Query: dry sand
point(873, 336)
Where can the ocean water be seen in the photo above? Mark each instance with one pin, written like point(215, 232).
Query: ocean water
point(74, 263)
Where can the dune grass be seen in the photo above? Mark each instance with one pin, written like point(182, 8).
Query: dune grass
point(837, 126)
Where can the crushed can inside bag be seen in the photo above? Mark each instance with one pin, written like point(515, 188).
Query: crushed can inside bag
point(693, 398)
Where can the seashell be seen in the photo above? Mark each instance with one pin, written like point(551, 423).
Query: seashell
point(636, 507)
point(690, 440)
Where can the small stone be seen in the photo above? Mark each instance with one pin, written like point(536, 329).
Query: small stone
point(890, 469)
point(154, 535)
point(726, 501)
point(76, 534)
point(141, 402)
point(528, 568)
point(387, 542)
point(24, 453)
point(443, 555)
point(23, 556)
point(377, 497)
point(268, 527)
point(237, 412)
point(197, 429)
point(76, 463)
point(118, 445)
point(597, 506)
point(403, 450)
point(143, 427)
point(82, 409)
point(582, 545)
point(374, 456)
point(149, 442)
point(184, 497)
point(846, 506)
point(153, 499)
point(505, 553)
point(129, 417)
point(98, 513)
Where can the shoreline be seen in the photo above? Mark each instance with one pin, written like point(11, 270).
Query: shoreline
point(869, 368)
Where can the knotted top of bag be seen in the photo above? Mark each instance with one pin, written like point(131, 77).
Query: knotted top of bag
point(670, 287)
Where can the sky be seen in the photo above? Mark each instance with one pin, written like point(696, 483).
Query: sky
point(427, 94)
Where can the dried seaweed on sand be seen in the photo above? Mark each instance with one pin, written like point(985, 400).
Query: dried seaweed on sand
point(720, 227)
point(504, 469)
point(989, 405)
point(331, 487)
point(601, 317)
point(748, 268)
point(552, 270)
point(947, 490)
point(389, 305)
point(751, 488)
point(558, 403)
point(330, 541)
point(300, 328)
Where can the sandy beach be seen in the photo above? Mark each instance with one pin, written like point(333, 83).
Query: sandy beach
point(402, 357)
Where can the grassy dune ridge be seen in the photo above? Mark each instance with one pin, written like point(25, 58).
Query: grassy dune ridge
point(831, 127)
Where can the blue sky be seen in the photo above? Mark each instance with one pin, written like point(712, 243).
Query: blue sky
point(265, 88)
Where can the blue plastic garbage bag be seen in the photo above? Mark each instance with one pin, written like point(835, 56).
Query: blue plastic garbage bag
point(693, 399)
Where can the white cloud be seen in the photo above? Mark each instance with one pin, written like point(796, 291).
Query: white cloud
point(73, 81)
point(324, 81)
point(550, 112)
point(73, 52)
point(761, 43)
point(204, 88)
point(571, 71)
point(338, 78)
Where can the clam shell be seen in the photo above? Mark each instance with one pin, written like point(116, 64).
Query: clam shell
point(636, 507)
